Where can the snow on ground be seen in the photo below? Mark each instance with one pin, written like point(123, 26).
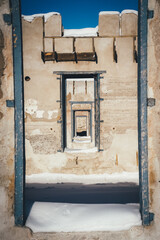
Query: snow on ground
point(30, 18)
point(84, 179)
point(91, 32)
point(66, 217)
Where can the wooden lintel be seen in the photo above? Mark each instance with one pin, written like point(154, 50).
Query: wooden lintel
point(77, 72)
point(48, 56)
point(86, 56)
point(62, 57)
point(65, 57)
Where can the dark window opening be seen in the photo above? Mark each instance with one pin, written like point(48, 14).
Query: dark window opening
point(81, 126)
point(82, 134)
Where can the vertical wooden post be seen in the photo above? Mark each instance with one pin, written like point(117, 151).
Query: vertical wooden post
point(18, 113)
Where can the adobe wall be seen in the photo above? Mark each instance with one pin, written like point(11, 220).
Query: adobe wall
point(6, 122)
point(118, 132)
point(153, 113)
point(7, 229)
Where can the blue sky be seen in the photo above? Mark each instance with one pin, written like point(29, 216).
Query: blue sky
point(77, 13)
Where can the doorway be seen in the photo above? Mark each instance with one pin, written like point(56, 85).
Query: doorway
point(20, 155)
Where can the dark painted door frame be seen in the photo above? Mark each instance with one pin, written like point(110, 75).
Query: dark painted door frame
point(77, 74)
point(146, 216)
point(19, 112)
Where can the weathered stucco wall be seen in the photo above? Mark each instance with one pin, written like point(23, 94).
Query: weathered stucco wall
point(7, 133)
point(118, 132)
point(7, 229)
point(153, 113)
point(6, 123)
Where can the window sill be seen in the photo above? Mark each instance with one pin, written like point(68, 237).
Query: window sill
point(82, 139)
point(88, 150)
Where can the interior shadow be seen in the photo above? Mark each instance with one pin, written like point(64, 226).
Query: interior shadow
point(120, 193)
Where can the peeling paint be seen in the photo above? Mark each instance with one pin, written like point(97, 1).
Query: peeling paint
point(36, 132)
point(52, 114)
point(150, 92)
point(31, 106)
point(15, 39)
point(46, 162)
point(44, 144)
point(39, 113)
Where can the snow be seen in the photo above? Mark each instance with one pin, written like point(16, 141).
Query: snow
point(115, 12)
point(76, 32)
point(82, 141)
point(108, 12)
point(67, 217)
point(84, 32)
point(49, 178)
point(129, 11)
point(88, 150)
point(30, 18)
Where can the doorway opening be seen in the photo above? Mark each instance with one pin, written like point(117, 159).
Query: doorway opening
point(19, 214)
point(80, 111)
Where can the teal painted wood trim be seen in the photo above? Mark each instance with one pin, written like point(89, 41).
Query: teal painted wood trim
point(18, 113)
